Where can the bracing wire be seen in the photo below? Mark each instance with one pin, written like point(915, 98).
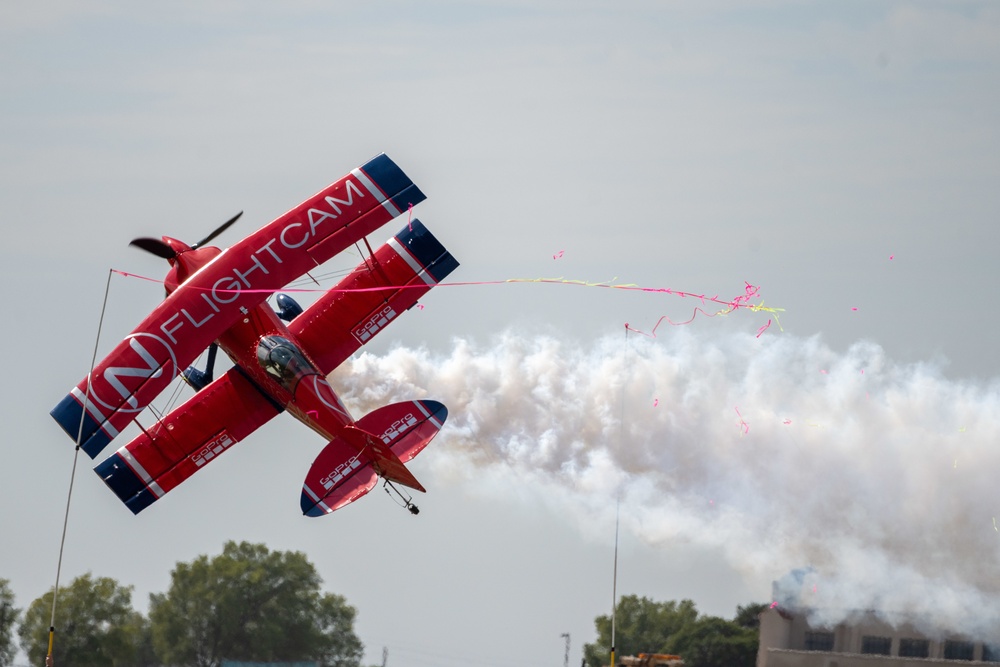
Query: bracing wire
point(72, 477)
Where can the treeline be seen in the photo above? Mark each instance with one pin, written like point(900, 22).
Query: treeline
point(252, 604)
point(248, 603)
point(645, 626)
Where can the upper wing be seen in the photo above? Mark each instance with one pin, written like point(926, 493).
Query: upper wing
point(214, 419)
point(236, 281)
point(350, 314)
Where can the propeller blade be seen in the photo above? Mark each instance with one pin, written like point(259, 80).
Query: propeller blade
point(218, 231)
point(155, 246)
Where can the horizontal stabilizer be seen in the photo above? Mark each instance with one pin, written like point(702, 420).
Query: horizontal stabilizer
point(406, 427)
point(378, 445)
point(339, 476)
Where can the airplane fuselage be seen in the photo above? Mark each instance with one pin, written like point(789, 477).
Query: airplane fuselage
point(274, 361)
point(257, 342)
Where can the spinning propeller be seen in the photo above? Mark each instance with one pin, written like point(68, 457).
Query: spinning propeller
point(170, 249)
point(162, 248)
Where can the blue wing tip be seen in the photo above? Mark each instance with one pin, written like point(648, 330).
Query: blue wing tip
point(125, 484)
point(393, 182)
point(70, 415)
point(310, 508)
point(427, 249)
point(438, 410)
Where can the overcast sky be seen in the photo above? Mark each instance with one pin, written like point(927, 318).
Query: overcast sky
point(842, 156)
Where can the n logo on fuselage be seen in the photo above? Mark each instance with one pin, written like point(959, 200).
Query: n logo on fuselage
point(147, 360)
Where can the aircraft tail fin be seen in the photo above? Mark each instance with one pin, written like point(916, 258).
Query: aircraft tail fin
point(386, 464)
point(377, 445)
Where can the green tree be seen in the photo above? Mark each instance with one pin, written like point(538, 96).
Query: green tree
point(645, 626)
point(249, 603)
point(715, 642)
point(95, 626)
point(641, 626)
point(749, 616)
point(8, 618)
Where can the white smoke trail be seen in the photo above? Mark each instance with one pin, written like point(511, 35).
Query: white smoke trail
point(777, 451)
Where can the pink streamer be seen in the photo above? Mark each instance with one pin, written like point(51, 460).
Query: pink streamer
point(743, 425)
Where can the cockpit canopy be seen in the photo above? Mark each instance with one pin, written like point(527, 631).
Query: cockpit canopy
point(283, 361)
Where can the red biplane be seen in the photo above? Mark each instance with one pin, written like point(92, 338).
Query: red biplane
point(218, 298)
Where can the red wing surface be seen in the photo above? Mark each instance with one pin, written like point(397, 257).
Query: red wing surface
point(212, 421)
point(211, 300)
point(350, 314)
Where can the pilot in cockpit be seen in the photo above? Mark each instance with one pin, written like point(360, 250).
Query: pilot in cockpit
point(282, 360)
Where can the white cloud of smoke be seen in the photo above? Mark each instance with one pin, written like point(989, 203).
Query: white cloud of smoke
point(777, 451)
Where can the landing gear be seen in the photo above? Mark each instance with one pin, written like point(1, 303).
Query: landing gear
point(201, 379)
point(405, 500)
point(290, 309)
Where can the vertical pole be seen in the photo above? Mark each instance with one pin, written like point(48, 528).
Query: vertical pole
point(49, 660)
point(614, 584)
point(565, 635)
point(618, 506)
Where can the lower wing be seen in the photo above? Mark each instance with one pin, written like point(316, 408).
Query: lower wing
point(183, 442)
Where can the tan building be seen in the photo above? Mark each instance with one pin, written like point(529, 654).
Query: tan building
point(787, 640)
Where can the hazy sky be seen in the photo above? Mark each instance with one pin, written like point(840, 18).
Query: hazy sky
point(842, 156)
